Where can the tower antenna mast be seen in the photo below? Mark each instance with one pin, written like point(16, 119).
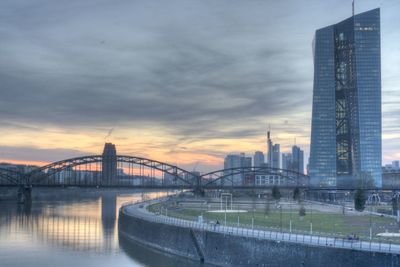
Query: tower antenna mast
point(352, 8)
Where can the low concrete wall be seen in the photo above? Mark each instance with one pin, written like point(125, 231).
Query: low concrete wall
point(165, 237)
point(227, 250)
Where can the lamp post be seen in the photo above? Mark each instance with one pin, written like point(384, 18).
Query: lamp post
point(280, 208)
point(237, 211)
point(226, 203)
point(311, 221)
point(252, 220)
point(202, 209)
point(290, 221)
point(370, 222)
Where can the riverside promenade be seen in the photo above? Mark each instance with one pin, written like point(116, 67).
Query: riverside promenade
point(302, 245)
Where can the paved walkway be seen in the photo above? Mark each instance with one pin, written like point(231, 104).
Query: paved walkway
point(140, 210)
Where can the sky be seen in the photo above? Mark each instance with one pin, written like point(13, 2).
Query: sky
point(180, 81)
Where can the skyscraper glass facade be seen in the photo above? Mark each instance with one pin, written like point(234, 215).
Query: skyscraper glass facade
point(259, 159)
point(346, 117)
point(109, 164)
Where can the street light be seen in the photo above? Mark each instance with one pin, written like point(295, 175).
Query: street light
point(370, 221)
point(311, 220)
point(226, 203)
point(290, 221)
point(252, 220)
point(202, 209)
point(237, 210)
point(280, 208)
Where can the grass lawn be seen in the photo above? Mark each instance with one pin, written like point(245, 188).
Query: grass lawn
point(322, 222)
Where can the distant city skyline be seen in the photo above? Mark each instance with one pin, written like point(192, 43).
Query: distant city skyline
point(177, 81)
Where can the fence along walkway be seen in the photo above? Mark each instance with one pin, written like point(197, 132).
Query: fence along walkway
point(139, 210)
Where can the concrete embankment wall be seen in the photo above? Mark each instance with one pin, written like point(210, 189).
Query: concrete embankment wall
point(228, 250)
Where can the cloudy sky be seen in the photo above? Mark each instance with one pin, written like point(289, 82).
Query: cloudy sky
point(179, 81)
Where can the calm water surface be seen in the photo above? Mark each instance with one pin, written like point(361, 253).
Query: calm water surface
point(76, 230)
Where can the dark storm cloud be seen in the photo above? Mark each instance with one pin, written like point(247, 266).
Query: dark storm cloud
point(44, 155)
point(200, 69)
point(97, 67)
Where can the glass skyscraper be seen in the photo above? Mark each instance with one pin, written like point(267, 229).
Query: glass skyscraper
point(109, 164)
point(346, 116)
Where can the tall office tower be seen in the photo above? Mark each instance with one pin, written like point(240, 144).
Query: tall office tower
point(245, 161)
point(235, 161)
point(109, 165)
point(297, 159)
point(396, 164)
point(346, 116)
point(286, 161)
point(276, 156)
point(258, 159)
point(270, 150)
point(232, 161)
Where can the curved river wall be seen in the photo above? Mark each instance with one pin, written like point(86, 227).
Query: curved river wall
point(231, 250)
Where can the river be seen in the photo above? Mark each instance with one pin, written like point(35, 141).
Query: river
point(73, 228)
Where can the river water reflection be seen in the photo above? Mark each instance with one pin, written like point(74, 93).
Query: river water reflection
point(77, 230)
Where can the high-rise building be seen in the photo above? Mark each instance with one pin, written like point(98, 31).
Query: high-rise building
point(232, 161)
point(294, 161)
point(297, 159)
point(346, 115)
point(270, 150)
point(394, 167)
point(235, 161)
point(245, 161)
point(286, 161)
point(258, 159)
point(276, 156)
point(395, 164)
point(109, 164)
point(274, 153)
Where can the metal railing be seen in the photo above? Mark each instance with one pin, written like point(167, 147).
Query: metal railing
point(309, 239)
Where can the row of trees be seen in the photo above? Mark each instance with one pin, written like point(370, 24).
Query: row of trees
point(359, 198)
point(297, 196)
point(363, 181)
point(276, 193)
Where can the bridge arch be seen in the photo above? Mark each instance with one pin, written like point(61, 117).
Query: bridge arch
point(50, 171)
point(11, 177)
point(286, 177)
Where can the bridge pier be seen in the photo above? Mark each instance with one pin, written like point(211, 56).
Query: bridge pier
point(24, 194)
point(198, 189)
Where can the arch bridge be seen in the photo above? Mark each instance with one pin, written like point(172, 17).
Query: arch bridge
point(11, 177)
point(254, 177)
point(120, 170)
point(130, 171)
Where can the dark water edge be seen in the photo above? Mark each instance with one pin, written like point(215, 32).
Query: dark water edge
point(74, 227)
point(149, 256)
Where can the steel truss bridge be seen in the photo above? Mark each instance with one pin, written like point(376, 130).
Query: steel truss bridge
point(140, 172)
